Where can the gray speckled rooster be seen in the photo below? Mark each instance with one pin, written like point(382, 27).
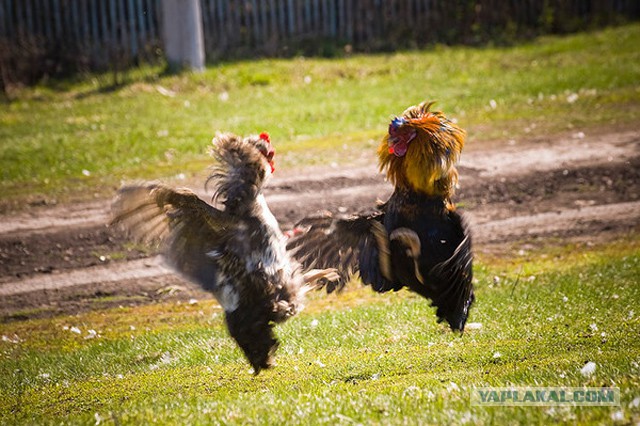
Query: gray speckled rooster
point(236, 252)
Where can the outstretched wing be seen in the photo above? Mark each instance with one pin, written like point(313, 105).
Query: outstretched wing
point(328, 242)
point(452, 285)
point(188, 229)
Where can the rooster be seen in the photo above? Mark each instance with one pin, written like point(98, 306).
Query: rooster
point(237, 251)
point(415, 239)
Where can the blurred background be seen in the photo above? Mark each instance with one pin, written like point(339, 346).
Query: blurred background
point(59, 38)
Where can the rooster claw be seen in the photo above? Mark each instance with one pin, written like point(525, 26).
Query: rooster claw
point(324, 275)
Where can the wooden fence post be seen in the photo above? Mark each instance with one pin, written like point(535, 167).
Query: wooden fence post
point(182, 34)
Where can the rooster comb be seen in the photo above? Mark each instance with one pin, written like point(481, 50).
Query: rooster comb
point(397, 123)
point(265, 137)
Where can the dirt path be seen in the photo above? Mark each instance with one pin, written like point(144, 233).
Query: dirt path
point(579, 187)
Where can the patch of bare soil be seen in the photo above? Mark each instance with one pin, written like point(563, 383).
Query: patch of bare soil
point(66, 259)
point(64, 249)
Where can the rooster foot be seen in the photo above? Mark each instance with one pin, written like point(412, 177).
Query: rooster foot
point(326, 275)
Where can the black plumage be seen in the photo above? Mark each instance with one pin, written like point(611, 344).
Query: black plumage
point(416, 239)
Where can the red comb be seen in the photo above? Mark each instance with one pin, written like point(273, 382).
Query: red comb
point(265, 136)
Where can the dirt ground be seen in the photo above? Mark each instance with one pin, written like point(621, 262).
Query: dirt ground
point(517, 196)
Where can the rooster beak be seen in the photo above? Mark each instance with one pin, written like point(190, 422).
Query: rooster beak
point(399, 143)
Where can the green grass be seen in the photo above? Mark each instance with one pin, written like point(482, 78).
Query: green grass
point(72, 139)
point(360, 357)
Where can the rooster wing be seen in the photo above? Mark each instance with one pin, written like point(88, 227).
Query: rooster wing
point(389, 257)
point(451, 282)
point(185, 226)
point(356, 244)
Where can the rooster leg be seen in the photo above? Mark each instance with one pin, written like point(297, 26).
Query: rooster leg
point(384, 254)
point(411, 241)
point(329, 274)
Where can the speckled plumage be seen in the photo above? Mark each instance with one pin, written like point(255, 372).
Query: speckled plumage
point(237, 252)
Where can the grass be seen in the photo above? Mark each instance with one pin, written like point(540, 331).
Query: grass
point(361, 357)
point(72, 139)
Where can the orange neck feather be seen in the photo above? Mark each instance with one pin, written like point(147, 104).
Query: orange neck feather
point(429, 164)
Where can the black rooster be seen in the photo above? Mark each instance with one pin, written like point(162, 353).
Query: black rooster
point(416, 238)
point(237, 252)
